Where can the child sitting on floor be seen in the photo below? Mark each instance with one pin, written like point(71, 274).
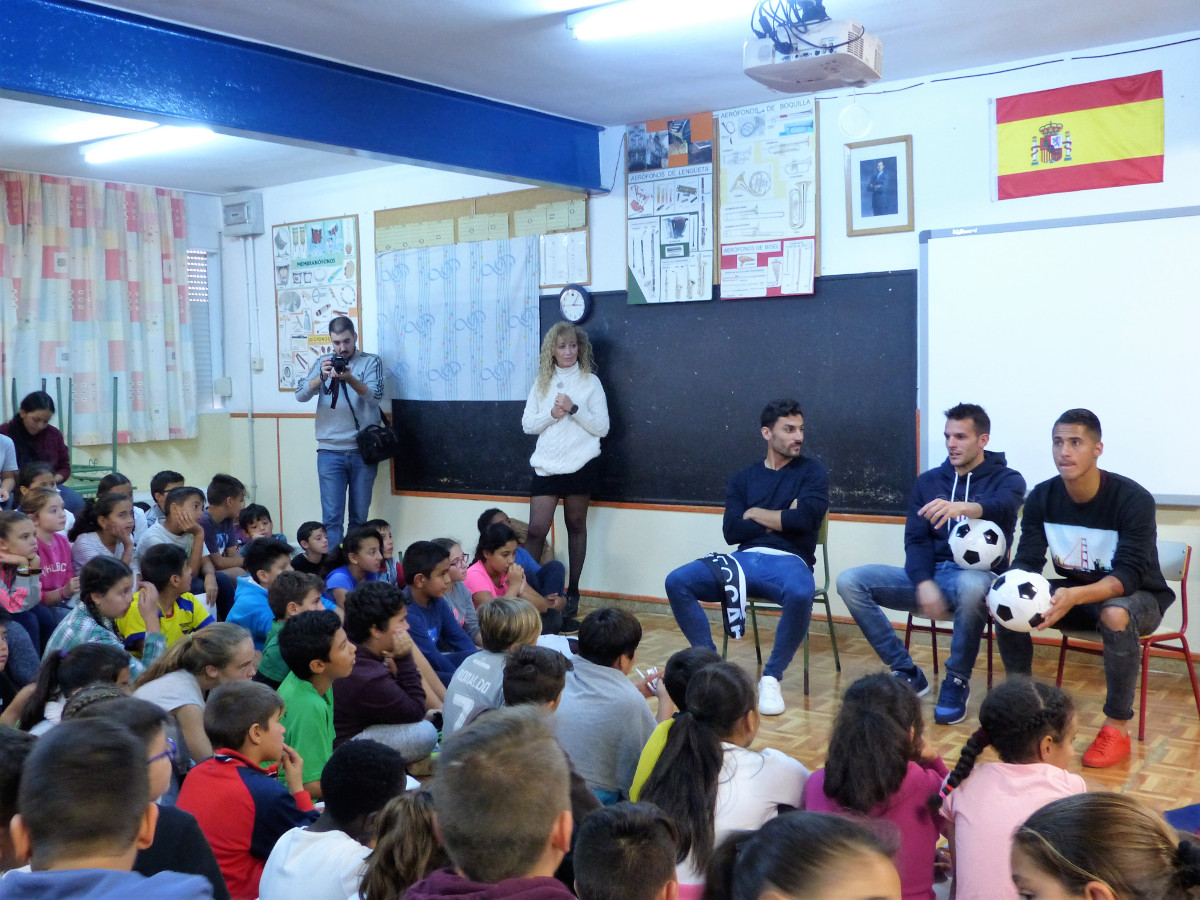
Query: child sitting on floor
point(505, 623)
point(241, 807)
point(254, 522)
point(880, 766)
point(87, 849)
point(459, 596)
point(1032, 726)
point(314, 549)
point(317, 653)
point(390, 572)
point(626, 852)
point(359, 559)
point(164, 567)
point(431, 621)
point(383, 697)
point(105, 594)
point(265, 559)
point(326, 860)
point(290, 594)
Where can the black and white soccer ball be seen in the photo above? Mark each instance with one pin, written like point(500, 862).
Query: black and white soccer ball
point(977, 544)
point(1019, 600)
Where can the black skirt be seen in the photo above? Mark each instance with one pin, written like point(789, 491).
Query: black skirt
point(585, 481)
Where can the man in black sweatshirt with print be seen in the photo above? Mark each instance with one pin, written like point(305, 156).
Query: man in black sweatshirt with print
point(1101, 533)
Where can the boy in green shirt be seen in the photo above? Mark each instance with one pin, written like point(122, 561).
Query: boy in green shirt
point(317, 652)
point(290, 594)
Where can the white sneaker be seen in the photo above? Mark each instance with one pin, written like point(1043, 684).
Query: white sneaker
point(770, 697)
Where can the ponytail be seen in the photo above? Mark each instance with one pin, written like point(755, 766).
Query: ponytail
point(407, 849)
point(95, 509)
point(878, 731)
point(64, 672)
point(976, 744)
point(684, 781)
point(1013, 718)
point(99, 576)
point(214, 645)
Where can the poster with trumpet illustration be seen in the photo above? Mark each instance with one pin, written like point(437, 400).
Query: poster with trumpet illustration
point(767, 199)
point(316, 279)
point(669, 210)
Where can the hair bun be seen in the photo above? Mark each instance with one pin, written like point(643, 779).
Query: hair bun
point(1187, 863)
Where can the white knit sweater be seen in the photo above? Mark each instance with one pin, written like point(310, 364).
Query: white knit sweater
point(566, 444)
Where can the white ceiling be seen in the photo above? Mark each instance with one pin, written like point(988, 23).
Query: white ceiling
point(520, 52)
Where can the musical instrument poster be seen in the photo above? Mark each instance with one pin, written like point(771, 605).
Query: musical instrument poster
point(316, 279)
point(768, 194)
point(669, 210)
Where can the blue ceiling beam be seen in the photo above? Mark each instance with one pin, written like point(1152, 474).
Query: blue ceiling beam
point(79, 54)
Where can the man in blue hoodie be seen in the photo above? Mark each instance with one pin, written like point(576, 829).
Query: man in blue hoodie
point(972, 483)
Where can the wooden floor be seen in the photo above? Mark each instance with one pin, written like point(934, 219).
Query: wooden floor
point(1162, 770)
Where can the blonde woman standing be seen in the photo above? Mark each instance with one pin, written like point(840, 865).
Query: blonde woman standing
point(568, 412)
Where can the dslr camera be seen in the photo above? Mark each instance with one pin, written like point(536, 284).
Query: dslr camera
point(339, 363)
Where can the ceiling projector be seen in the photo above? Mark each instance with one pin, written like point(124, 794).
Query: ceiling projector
point(831, 55)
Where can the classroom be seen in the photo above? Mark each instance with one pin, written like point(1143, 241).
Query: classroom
point(345, 162)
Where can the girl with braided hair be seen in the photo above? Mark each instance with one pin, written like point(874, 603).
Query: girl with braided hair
point(1032, 726)
point(1102, 847)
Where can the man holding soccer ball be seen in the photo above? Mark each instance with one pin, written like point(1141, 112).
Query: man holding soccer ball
point(1100, 530)
point(972, 483)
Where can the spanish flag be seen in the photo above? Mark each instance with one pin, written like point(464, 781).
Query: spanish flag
point(1097, 135)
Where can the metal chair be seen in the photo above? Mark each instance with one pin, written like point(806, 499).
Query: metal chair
point(933, 630)
point(1174, 559)
point(821, 595)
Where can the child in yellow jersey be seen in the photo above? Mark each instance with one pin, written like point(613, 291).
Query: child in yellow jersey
point(179, 613)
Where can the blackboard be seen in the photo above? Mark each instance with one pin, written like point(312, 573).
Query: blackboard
point(686, 383)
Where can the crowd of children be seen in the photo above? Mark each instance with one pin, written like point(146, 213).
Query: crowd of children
point(281, 696)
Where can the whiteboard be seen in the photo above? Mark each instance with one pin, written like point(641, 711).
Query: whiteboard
point(1033, 318)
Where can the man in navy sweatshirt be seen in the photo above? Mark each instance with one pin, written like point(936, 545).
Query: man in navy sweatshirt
point(972, 483)
point(773, 511)
point(1101, 533)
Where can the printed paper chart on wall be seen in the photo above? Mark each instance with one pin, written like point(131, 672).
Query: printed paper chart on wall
point(669, 210)
point(768, 198)
point(316, 279)
point(460, 321)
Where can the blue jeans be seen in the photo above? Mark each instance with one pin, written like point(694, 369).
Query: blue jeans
point(865, 589)
point(785, 580)
point(23, 657)
point(339, 471)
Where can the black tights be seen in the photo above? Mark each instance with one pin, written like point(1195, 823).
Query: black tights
point(541, 517)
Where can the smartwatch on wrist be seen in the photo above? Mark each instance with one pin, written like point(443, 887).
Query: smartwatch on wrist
point(574, 408)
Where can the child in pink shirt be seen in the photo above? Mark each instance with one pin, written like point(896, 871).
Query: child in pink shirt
point(880, 766)
point(58, 583)
point(1032, 726)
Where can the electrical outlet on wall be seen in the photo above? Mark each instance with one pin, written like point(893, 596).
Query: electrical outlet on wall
point(256, 363)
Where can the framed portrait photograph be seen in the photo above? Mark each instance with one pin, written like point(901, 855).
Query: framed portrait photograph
point(879, 186)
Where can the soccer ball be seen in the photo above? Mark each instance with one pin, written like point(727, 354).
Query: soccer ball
point(1019, 600)
point(977, 544)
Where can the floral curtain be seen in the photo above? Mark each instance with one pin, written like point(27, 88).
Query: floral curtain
point(93, 278)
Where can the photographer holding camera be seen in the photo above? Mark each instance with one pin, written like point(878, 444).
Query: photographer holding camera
point(349, 386)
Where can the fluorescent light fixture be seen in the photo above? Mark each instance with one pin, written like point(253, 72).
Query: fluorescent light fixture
point(93, 128)
point(162, 139)
point(629, 18)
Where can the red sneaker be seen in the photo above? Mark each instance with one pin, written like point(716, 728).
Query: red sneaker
point(1109, 748)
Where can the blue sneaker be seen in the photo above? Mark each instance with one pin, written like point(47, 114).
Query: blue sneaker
point(914, 678)
point(952, 701)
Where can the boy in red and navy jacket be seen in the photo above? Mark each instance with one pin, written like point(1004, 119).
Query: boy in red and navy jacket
point(242, 808)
